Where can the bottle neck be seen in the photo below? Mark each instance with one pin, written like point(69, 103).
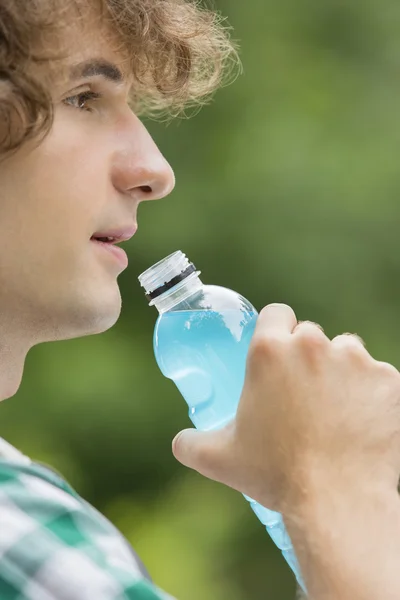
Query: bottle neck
point(178, 294)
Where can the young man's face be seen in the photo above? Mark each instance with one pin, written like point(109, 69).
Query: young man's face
point(89, 175)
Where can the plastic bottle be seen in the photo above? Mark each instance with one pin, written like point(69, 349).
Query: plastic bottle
point(201, 340)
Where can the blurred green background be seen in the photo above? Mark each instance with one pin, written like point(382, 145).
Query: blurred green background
point(287, 191)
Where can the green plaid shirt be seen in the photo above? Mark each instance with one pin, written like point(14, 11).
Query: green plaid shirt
point(56, 546)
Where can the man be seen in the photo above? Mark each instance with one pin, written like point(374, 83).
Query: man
point(314, 415)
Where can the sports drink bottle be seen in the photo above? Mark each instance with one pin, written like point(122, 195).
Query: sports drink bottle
point(201, 340)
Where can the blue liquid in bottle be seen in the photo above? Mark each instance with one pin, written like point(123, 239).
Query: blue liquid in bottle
point(204, 353)
point(201, 340)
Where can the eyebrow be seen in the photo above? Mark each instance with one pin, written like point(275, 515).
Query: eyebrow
point(95, 67)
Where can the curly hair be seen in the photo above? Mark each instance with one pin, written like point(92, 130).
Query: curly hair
point(178, 53)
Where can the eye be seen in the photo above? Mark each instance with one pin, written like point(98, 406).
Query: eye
point(82, 98)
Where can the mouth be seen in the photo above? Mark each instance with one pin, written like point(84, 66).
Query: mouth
point(106, 241)
point(114, 252)
point(116, 235)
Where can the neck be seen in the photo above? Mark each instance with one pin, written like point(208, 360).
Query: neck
point(12, 362)
point(14, 347)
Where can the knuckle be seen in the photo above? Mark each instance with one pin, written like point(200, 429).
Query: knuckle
point(356, 351)
point(390, 378)
point(282, 309)
point(388, 370)
point(265, 348)
point(310, 336)
point(304, 324)
point(359, 339)
point(352, 344)
point(277, 306)
point(349, 338)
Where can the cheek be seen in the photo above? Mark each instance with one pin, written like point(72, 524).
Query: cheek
point(61, 196)
point(72, 195)
point(74, 158)
point(46, 226)
point(77, 185)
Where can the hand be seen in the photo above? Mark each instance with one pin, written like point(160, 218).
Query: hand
point(312, 413)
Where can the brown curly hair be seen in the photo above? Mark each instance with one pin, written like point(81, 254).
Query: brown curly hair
point(178, 53)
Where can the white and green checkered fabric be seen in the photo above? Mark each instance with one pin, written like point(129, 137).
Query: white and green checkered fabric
point(56, 546)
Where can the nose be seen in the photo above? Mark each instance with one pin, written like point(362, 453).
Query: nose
point(139, 169)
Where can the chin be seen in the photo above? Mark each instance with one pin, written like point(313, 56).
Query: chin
point(103, 323)
point(106, 315)
point(92, 316)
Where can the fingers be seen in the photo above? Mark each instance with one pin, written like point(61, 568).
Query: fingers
point(276, 319)
point(347, 339)
point(210, 453)
point(308, 327)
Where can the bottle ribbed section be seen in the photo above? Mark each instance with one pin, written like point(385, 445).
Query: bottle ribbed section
point(163, 271)
point(171, 281)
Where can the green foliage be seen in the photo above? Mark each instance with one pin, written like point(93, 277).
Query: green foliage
point(287, 191)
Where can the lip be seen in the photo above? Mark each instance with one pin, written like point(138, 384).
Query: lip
point(115, 251)
point(120, 234)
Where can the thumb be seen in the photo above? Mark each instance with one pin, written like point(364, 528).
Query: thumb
point(208, 452)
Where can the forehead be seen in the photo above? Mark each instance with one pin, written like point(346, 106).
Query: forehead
point(91, 47)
